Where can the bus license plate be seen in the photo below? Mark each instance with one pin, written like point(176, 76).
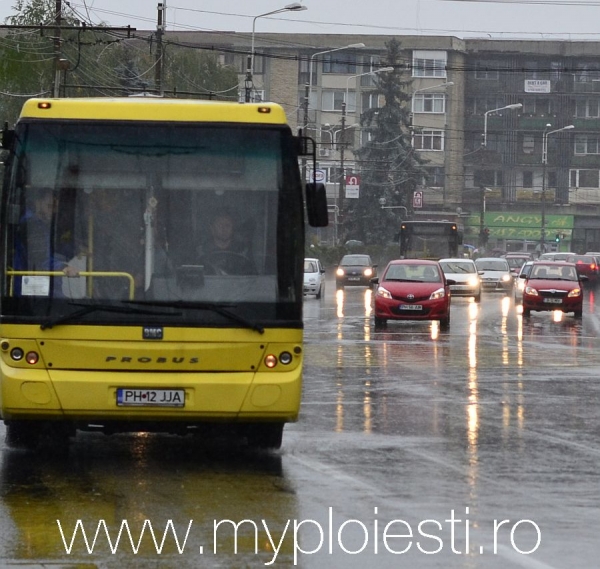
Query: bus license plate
point(411, 307)
point(150, 397)
point(553, 300)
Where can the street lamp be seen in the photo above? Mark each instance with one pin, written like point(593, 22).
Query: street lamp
point(374, 72)
point(294, 7)
point(310, 67)
point(545, 136)
point(485, 118)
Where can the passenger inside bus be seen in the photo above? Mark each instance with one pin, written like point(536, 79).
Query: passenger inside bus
point(112, 244)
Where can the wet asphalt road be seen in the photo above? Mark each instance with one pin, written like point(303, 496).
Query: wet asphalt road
point(476, 448)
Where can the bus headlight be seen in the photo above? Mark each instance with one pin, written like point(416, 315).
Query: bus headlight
point(17, 354)
point(271, 361)
point(32, 358)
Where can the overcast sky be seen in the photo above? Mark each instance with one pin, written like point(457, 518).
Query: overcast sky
point(533, 19)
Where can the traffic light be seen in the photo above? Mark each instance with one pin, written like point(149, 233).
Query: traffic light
point(557, 238)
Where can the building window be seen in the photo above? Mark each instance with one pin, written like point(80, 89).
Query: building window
point(434, 177)
point(342, 63)
point(488, 178)
point(370, 101)
point(528, 144)
point(586, 73)
point(429, 63)
point(527, 179)
point(587, 108)
point(429, 140)
point(483, 104)
point(256, 96)
point(584, 178)
point(586, 144)
point(332, 100)
point(429, 103)
point(552, 179)
point(486, 70)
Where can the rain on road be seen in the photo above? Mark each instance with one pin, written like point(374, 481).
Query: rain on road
point(476, 448)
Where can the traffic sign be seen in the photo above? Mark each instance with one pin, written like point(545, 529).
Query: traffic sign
point(418, 199)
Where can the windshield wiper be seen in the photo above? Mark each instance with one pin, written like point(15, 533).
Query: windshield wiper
point(89, 308)
point(221, 309)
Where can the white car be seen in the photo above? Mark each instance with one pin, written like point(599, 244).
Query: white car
point(464, 273)
point(520, 280)
point(495, 274)
point(314, 277)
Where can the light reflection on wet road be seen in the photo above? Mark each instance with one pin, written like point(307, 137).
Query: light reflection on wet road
point(495, 419)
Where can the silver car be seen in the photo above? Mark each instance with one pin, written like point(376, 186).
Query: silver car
point(520, 280)
point(314, 277)
point(464, 273)
point(495, 274)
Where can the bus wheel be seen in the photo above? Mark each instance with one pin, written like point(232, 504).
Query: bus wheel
point(265, 435)
point(23, 434)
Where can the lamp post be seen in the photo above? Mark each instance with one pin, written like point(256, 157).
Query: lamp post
point(295, 7)
point(545, 136)
point(308, 88)
point(485, 118)
point(374, 72)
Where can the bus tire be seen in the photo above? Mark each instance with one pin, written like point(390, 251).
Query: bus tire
point(266, 436)
point(23, 434)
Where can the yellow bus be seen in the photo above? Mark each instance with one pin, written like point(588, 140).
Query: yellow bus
point(120, 311)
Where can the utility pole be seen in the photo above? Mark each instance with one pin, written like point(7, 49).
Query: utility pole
point(305, 127)
point(57, 48)
point(342, 187)
point(160, 27)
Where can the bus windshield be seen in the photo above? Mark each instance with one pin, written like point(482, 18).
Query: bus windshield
point(154, 212)
point(429, 239)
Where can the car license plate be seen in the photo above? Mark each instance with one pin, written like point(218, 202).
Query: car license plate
point(553, 300)
point(353, 278)
point(411, 307)
point(150, 397)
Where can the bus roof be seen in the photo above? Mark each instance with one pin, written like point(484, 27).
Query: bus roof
point(153, 109)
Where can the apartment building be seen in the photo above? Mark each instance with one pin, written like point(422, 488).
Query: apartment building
point(510, 130)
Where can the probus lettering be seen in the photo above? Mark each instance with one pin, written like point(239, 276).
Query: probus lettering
point(148, 360)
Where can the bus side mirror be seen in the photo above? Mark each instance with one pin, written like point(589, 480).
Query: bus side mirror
point(316, 205)
point(8, 136)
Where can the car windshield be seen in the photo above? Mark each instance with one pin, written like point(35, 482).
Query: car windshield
point(492, 265)
point(556, 272)
point(457, 267)
point(416, 273)
point(359, 261)
point(310, 267)
point(515, 262)
point(581, 259)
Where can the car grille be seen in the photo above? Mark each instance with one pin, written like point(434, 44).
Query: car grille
point(552, 293)
point(414, 300)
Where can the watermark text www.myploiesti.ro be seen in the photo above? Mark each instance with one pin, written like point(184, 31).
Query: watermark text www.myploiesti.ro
point(303, 537)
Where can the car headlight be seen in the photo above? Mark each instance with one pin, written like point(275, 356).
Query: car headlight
point(506, 278)
point(575, 292)
point(368, 272)
point(439, 293)
point(383, 293)
point(340, 272)
point(473, 281)
point(531, 291)
point(521, 284)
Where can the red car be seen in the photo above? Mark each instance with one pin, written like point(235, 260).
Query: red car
point(587, 265)
point(553, 286)
point(413, 289)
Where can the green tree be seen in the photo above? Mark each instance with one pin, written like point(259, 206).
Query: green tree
point(389, 168)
